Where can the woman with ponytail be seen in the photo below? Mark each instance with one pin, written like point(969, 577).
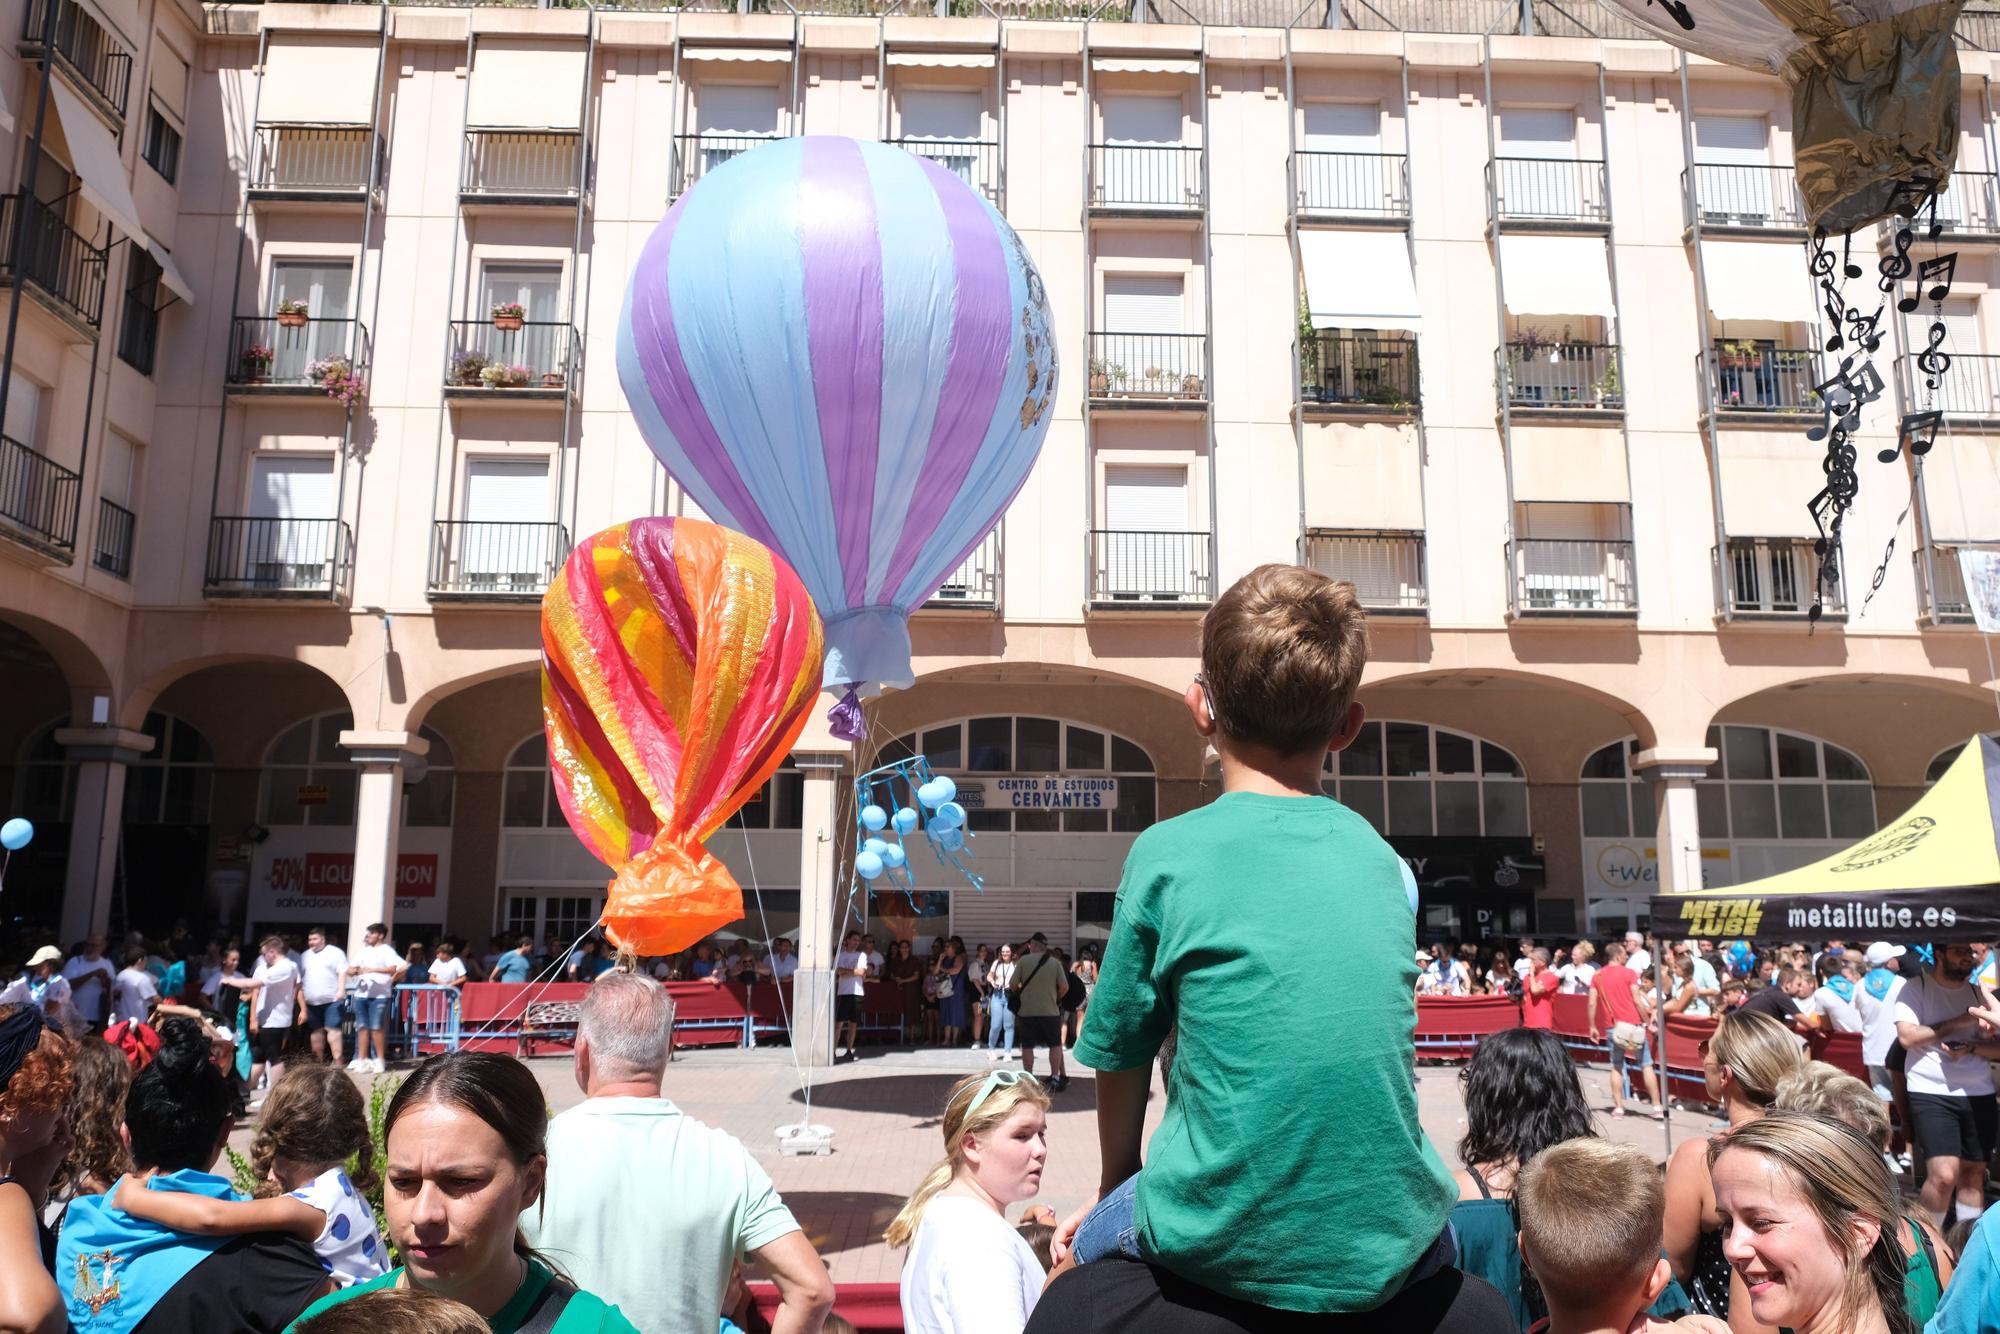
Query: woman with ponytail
point(1811, 1225)
point(968, 1268)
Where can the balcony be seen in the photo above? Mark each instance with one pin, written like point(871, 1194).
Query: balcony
point(95, 60)
point(1548, 194)
point(1148, 370)
point(116, 528)
point(974, 161)
point(1967, 390)
point(1745, 198)
point(1145, 178)
point(522, 168)
point(1941, 595)
point(1774, 578)
point(1753, 378)
point(695, 155)
point(269, 355)
point(1386, 567)
point(1366, 186)
point(1150, 571)
point(62, 269)
point(1568, 577)
point(38, 498)
point(975, 584)
point(1562, 378)
point(1360, 374)
point(479, 561)
point(536, 363)
point(1969, 208)
point(293, 559)
point(313, 164)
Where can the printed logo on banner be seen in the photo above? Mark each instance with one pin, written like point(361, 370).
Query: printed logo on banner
point(1726, 918)
point(1893, 842)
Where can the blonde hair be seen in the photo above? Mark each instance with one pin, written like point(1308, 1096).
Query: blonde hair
point(1823, 1090)
point(997, 1107)
point(1759, 1051)
point(1836, 1170)
point(1584, 952)
point(1591, 1213)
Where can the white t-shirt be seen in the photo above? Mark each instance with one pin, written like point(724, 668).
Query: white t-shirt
point(281, 984)
point(444, 972)
point(372, 986)
point(1931, 1069)
point(348, 1246)
point(1840, 1013)
point(92, 999)
point(133, 994)
point(1576, 978)
point(1639, 961)
point(322, 973)
point(850, 985)
point(968, 1272)
point(51, 996)
point(1875, 998)
point(783, 965)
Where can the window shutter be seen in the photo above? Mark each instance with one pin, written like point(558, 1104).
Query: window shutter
point(1143, 304)
point(1343, 127)
point(1536, 133)
point(1133, 121)
point(1145, 499)
point(734, 108)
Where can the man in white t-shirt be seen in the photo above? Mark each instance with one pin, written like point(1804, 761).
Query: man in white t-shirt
point(274, 1002)
point(42, 986)
point(133, 991)
point(1636, 956)
point(1875, 1000)
point(372, 976)
point(1834, 1000)
point(850, 966)
point(91, 977)
point(447, 969)
point(1953, 1113)
point(323, 978)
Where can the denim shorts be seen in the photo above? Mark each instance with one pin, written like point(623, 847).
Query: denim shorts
point(328, 1015)
point(1641, 1059)
point(370, 1011)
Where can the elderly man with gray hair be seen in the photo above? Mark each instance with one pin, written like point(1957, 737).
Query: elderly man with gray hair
point(646, 1206)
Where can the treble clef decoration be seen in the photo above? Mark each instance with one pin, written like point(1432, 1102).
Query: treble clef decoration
point(1896, 266)
point(1934, 361)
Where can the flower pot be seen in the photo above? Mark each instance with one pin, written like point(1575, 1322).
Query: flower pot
point(292, 320)
point(1100, 385)
point(552, 380)
point(1191, 385)
point(508, 323)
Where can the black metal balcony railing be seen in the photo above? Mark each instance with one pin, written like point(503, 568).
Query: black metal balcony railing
point(695, 155)
point(1570, 576)
point(522, 164)
point(1386, 567)
point(1968, 387)
point(1759, 377)
point(1145, 176)
point(1563, 375)
point(1773, 576)
point(976, 582)
point(1360, 369)
point(1365, 185)
point(52, 257)
point(1970, 204)
point(1150, 567)
point(116, 527)
point(1746, 196)
point(541, 354)
point(38, 496)
point(974, 161)
point(252, 557)
point(1145, 365)
point(1527, 189)
point(313, 160)
point(1941, 595)
point(86, 48)
point(266, 351)
point(472, 558)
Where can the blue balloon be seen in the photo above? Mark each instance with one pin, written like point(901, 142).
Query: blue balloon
point(875, 845)
point(951, 840)
point(946, 789)
point(16, 834)
point(867, 865)
point(894, 857)
point(950, 815)
point(905, 821)
point(930, 796)
point(874, 817)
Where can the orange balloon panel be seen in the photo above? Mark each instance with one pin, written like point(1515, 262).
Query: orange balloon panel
point(678, 662)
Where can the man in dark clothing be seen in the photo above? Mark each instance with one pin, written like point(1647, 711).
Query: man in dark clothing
point(1781, 999)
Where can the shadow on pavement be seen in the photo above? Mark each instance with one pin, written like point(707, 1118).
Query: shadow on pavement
point(829, 1217)
point(922, 1096)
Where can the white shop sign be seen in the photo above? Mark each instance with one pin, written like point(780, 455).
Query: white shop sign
point(1038, 792)
point(306, 874)
point(1623, 865)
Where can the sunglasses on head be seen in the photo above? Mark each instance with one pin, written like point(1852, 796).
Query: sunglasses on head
point(997, 1080)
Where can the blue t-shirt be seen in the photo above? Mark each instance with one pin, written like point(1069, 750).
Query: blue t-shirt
point(1971, 1303)
point(513, 966)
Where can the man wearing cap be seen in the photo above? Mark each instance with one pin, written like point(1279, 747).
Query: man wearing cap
point(1875, 998)
point(42, 986)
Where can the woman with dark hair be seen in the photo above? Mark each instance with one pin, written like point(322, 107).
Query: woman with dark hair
point(467, 1140)
point(35, 1078)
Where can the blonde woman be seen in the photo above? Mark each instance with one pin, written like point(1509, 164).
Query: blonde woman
point(1811, 1225)
point(1746, 1060)
point(968, 1268)
point(1582, 966)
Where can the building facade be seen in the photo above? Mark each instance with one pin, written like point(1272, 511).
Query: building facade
point(1490, 306)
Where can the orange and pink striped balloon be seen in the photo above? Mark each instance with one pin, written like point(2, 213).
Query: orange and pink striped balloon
point(678, 662)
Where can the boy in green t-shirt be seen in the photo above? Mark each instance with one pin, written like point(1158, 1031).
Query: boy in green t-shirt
point(1274, 931)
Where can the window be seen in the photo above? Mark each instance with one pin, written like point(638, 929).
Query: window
point(528, 794)
point(1944, 761)
point(162, 146)
point(326, 289)
point(309, 780)
point(972, 749)
point(542, 344)
point(1418, 780)
point(23, 424)
point(139, 329)
point(504, 544)
point(1767, 785)
point(292, 540)
point(171, 784)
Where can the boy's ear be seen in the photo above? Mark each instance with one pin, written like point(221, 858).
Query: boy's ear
point(1351, 728)
point(1656, 1283)
point(1196, 700)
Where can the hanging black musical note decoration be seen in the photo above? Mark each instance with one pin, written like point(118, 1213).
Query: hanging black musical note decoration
point(1677, 10)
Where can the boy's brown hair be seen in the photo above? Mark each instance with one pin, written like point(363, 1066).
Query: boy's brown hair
point(1281, 657)
point(396, 1311)
point(1591, 1214)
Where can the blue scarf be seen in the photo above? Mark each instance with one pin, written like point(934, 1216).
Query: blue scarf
point(1878, 982)
point(1842, 986)
point(113, 1267)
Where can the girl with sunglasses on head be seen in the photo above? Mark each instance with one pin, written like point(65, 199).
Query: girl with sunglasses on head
point(968, 1267)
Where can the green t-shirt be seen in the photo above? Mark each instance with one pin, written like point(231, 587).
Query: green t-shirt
point(585, 1314)
point(1041, 979)
point(1290, 1168)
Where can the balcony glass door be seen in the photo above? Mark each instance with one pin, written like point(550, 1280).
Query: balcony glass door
point(1142, 349)
point(1350, 181)
point(943, 124)
point(505, 544)
point(726, 114)
point(291, 541)
point(1140, 132)
point(1733, 169)
point(1543, 186)
point(327, 291)
point(1145, 555)
point(1575, 556)
point(537, 289)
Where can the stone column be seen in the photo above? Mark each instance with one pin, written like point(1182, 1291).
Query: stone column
point(378, 821)
point(1672, 771)
point(101, 754)
point(819, 905)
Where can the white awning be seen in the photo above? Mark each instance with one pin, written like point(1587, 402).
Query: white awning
point(943, 59)
point(1756, 280)
point(94, 154)
point(776, 54)
point(1144, 65)
point(1358, 279)
point(169, 275)
point(1556, 275)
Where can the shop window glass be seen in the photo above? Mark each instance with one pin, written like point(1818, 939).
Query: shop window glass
point(1843, 767)
point(1037, 743)
point(1850, 810)
point(1753, 811)
point(1127, 758)
point(990, 748)
point(1408, 751)
point(1136, 797)
point(1457, 807)
point(1802, 810)
point(1455, 754)
point(1604, 811)
point(1084, 747)
point(1506, 810)
point(1747, 750)
point(1798, 757)
point(1363, 755)
point(942, 747)
point(1410, 808)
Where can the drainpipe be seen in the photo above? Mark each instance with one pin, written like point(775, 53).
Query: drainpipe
point(376, 152)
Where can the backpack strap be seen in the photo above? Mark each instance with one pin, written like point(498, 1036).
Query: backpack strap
point(548, 1308)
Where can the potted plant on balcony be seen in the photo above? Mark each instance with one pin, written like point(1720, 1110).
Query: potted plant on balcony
point(1610, 391)
point(499, 375)
point(338, 378)
point(292, 314)
point(254, 363)
point(1154, 377)
point(509, 316)
point(552, 379)
point(466, 368)
point(1100, 377)
point(1740, 354)
point(1191, 386)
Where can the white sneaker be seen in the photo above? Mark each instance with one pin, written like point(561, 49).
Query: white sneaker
point(358, 1066)
point(377, 1066)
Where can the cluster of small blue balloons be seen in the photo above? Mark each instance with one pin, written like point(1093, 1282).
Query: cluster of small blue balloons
point(16, 834)
point(946, 827)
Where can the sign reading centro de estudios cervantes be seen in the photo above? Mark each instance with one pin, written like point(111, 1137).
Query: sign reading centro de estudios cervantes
point(1037, 792)
point(307, 875)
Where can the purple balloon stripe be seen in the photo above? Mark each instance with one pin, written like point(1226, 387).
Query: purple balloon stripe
point(652, 546)
point(975, 367)
point(842, 256)
point(657, 343)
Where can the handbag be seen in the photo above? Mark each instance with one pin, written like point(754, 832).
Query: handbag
point(1629, 1036)
point(946, 988)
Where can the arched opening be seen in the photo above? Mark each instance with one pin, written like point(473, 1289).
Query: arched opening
point(43, 672)
point(1943, 760)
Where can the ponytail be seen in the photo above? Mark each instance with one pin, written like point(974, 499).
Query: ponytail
point(962, 1118)
point(903, 1228)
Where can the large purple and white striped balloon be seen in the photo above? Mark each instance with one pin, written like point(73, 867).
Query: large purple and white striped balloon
point(842, 350)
